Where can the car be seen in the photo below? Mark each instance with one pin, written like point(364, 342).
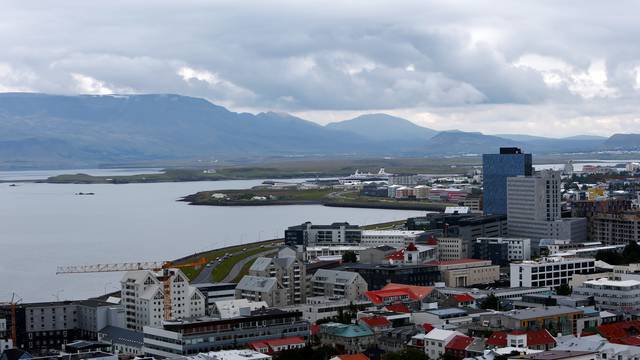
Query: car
point(208, 265)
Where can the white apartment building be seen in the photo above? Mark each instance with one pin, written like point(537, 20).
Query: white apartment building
point(396, 238)
point(434, 341)
point(451, 248)
point(150, 297)
point(533, 209)
point(551, 272)
point(617, 295)
point(518, 249)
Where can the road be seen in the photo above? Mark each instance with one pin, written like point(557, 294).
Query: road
point(235, 270)
point(205, 274)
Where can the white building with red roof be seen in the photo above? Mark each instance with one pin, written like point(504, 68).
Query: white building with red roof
point(414, 254)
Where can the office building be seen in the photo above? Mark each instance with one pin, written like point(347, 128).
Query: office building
point(496, 168)
point(215, 292)
point(193, 336)
point(502, 251)
point(395, 238)
point(46, 325)
point(451, 248)
point(616, 295)
point(149, 297)
point(324, 307)
point(467, 272)
point(533, 209)
point(551, 272)
point(309, 234)
point(615, 229)
point(378, 276)
point(556, 319)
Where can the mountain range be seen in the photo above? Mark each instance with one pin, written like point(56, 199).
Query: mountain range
point(40, 130)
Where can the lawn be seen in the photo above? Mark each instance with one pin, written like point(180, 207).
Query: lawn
point(225, 266)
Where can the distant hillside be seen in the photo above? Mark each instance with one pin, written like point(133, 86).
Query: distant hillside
point(459, 142)
point(623, 142)
point(383, 127)
point(52, 129)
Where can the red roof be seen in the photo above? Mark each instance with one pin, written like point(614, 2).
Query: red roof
point(398, 255)
point(432, 241)
point(620, 330)
point(455, 262)
point(411, 247)
point(632, 340)
point(285, 341)
point(427, 327)
point(400, 308)
point(353, 357)
point(314, 329)
point(463, 298)
point(398, 290)
point(459, 342)
point(534, 338)
point(375, 321)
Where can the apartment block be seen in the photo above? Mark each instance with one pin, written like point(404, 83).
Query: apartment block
point(309, 234)
point(502, 251)
point(615, 295)
point(149, 297)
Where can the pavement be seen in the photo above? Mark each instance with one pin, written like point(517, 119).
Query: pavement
point(205, 274)
point(235, 270)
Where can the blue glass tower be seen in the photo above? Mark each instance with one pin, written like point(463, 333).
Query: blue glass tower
point(496, 168)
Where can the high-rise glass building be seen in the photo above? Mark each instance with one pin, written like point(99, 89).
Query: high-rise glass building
point(496, 168)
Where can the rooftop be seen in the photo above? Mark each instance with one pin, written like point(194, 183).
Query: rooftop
point(457, 262)
point(541, 312)
point(613, 283)
point(558, 354)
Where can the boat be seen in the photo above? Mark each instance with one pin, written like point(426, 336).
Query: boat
point(85, 193)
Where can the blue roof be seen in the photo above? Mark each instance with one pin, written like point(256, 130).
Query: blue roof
point(344, 330)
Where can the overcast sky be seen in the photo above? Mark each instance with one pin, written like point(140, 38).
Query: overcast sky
point(541, 67)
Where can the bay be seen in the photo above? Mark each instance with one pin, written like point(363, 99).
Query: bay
point(46, 225)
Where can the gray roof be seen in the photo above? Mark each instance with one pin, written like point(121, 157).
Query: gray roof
point(557, 354)
point(261, 264)
point(257, 283)
point(123, 336)
point(541, 312)
point(335, 276)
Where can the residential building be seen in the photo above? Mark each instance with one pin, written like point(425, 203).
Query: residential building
point(394, 293)
point(467, 272)
point(556, 319)
point(457, 347)
point(442, 317)
point(533, 209)
point(530, 339)
point(562, 355)
point(396, 238)
point(149, 297)
point(378, 276)
point(615, 229)
point(288, 269)
point(260, 288)
point(377, 324)
point(349, 285)
point(193, 336)
point(616, 295)
point(434, 342)
point(336, 233)
point(551, 272)
point(496, 168)
point(346, 338)
point(332, 252)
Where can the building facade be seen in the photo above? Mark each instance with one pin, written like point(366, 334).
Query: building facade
point(616, 295)
point(551, 272)
point(149, 297)
point(309, 234)
point(496, 168)
point(502, 251)
point(346, 284)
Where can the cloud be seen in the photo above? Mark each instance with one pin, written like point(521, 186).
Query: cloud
point(482, 65)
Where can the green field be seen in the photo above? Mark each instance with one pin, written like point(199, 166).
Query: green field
point(224, 267)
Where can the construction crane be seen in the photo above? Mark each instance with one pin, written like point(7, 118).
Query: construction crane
point(13, 304)
point(132, 266)
point(149, 265)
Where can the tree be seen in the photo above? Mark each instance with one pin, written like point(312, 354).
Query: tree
point(491, 302)
point(349, 257)
point(610, 257)
point(564, 290)
point(631, 252)
point(406, 354)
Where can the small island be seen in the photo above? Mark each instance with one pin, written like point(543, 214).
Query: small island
point(306, 194)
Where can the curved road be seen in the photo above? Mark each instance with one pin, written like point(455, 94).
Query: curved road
point(205, 275)
point(235, 270)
